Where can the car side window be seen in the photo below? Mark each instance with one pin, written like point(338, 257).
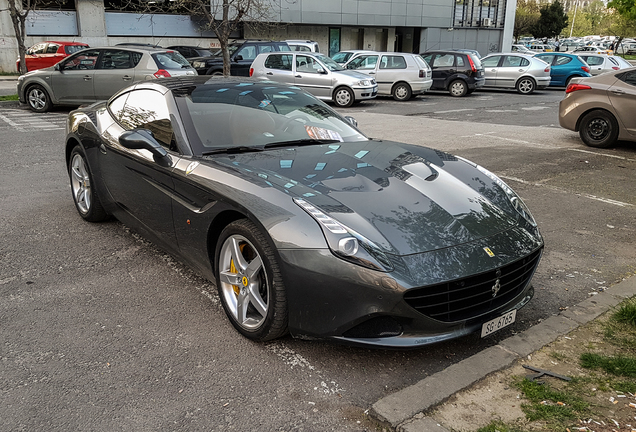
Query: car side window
point(147, 109)
point(547, 58)
point(427, 58)
point(84, 60)
point(37, 49)
point(265, 49)
point(363, 62)
point(247, 52)
point(444, 60)
point(115, 59)
point(52, 48)
point(279, 61)
point(491, 61)
point(512, 61)
point(307, 64)
point(116, 106)
point(561, 60)
point(392, 62)
point(629, 78)
point(459, 61)
point(593, 61)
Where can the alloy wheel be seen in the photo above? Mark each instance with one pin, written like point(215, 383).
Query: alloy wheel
point(81, 184)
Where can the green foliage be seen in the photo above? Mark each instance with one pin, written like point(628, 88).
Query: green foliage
point(498, 426)
point(526, 18)
point(551, 22)
point(544, 403)
point(626, 8)
point(620, 365)
point(9, 98)
point(626, 313)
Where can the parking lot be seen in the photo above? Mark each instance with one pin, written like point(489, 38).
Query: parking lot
point(103, 331)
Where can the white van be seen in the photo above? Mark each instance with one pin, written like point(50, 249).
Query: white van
point(303, 45)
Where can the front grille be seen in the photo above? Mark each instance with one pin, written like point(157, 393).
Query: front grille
point(471, 297)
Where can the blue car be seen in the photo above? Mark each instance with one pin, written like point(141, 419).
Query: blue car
point(564, 67)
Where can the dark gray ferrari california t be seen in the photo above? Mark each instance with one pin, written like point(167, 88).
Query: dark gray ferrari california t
point(306, 226)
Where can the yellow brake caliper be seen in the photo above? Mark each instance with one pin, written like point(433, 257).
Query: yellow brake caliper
point(233, 270)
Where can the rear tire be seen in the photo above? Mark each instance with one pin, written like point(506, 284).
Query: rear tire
point(598, 129)
point(402, 92)
point(458, 88)
point(526, 86)
point(87, 203)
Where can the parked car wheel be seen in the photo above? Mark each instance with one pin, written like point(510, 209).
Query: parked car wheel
point(526, 85)
point(214, 72)
point(458, 88)
point(343, 97)
point(402, 92)
point(598, 129)
point(38, 99)
point(85, 196)
point(250, 283)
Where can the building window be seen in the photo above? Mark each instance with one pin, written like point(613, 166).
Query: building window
point(479, 13)
point(334, 41)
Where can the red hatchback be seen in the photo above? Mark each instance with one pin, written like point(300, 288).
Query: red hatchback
point(46, 54)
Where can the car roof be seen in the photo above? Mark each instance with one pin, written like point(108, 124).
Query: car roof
point(62, 42)
point(186, 82)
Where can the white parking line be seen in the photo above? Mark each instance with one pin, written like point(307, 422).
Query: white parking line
point(604, 154)
point(454, 111)
point(512, 140)
point(11, 123)
point(555, 188)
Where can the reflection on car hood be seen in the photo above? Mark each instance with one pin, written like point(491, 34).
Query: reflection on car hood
point(407, 199)
point(354, 74)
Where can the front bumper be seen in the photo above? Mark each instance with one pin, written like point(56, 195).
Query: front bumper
point(364, 93)
point(333, 299)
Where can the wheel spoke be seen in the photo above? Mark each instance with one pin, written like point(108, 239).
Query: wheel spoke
point(228, 277)
point(257, 300)
point(242, 304)
point(253, 268)
point(237, 256)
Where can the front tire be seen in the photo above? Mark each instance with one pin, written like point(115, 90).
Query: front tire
point(87, 202)
point(458, 88)
point(250, 283)
point(38, 99)
point(402, 92)
point(526, 86)
point(343, 97)
point(598, 129)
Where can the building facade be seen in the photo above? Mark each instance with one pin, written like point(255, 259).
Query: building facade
point(383, 25)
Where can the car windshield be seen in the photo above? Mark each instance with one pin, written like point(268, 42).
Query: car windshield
point(329, 63)
point(252, 115)
point(341, 57)
point(231, 48)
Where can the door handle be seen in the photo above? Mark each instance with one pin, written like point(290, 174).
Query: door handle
point(371, 73)
point(297, 76)
point(521, 70)
point(127, 77)
point(618, 92)
point(270, 73)
point(87, 77)
point(451, 70)
point(493, 70)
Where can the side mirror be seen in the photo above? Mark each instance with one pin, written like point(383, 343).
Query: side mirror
point(322, 71)
point(58, 67)
point(351, 120)
point(143, 139)
point(238, 57)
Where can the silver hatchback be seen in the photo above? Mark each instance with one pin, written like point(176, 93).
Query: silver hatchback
point(317, 74)
point(601, 63)
point(96, 74)
point(522, 72)
point(400, 75)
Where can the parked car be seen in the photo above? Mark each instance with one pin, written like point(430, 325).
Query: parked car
point(343, 57)
point(242, 54)
point(456, 72)
point(601, 108)
point(626, 47)
point(521, 49)
point(601, 63)
point(591, 49)
point(190, 52)
point(564, 67)
point(303, 45)
point(298, 217)
point(541, 48)
point(466, 50)
point(46, 54)
point(317, 74)
point(400, 75)
point(522, 72)
point(96, 74)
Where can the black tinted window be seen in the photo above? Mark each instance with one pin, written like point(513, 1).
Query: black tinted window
point(52, 49)
point(84, 60)
point(115, 59)
point(629, 78)
point(170, 60)
point(147, 109)
point(71, 49)
point(279, 61)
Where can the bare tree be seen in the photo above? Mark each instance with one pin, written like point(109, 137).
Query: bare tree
point(223, 17)
point(19, 11)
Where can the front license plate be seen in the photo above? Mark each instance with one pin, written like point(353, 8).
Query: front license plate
point(498, 323)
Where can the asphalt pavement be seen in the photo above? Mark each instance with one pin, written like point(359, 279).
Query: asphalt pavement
point(8, 85)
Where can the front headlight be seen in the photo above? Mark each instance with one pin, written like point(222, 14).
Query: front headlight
point(198, 64)
point(364, 83)
point(515, 199)
point(345, 243)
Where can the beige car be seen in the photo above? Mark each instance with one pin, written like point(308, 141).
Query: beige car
point(601, 108)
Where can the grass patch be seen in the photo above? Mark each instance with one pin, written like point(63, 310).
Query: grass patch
point(499, 426)
point(9, 98)
point(626, 313)
point(620, 365)
point(551, 406)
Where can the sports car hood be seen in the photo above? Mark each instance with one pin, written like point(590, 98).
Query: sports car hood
point(406, 199)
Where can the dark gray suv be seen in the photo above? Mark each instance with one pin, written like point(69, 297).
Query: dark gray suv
point(459, 73)
point(242, 54)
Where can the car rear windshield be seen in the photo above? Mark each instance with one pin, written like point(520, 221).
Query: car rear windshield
point(71, 49)
point(170, 60)
point(476, 61)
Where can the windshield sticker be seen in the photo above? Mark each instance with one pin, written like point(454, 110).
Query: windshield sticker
point(244, 84)
point(264, 103)
point(287, 92)
point(319, 133)
point(245, 92)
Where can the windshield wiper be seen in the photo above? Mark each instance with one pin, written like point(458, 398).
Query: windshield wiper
point(300, 142)
point(233, 150)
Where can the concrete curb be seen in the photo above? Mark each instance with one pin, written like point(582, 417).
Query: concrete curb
point(404, 410)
